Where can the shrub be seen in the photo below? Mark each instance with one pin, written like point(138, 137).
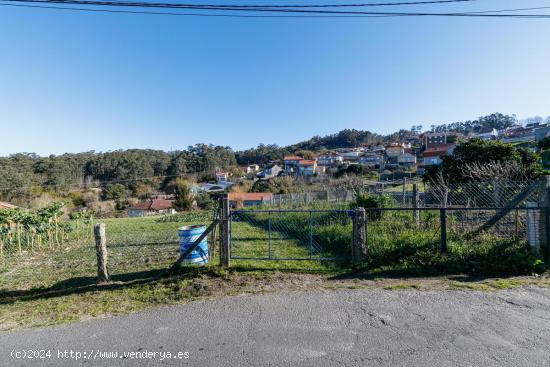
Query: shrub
point(369, 201)
point(204, 201)
point(183, 200)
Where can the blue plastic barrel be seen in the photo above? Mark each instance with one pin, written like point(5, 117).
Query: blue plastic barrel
point(188, 235)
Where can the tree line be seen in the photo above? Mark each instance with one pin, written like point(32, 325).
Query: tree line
point(131, 169)
point(23, 172)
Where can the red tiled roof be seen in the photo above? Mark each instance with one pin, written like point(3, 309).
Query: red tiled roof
point(292, 158)
point(161, 204)
point(142, 206)
point(306, 162)
point(439, 150)
point(154, 204)
point(249, 196)
point(4, 205)
point(434, 152)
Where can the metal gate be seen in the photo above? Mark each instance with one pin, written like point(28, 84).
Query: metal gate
point(291, 234)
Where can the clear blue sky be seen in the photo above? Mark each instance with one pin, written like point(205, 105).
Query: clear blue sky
point(72, 81)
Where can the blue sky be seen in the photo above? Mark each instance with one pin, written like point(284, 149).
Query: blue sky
point(72, 81)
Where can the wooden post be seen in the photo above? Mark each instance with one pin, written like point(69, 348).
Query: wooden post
point(443, 228)
point(101, 250)
point(224, 232)
point(415, 201)
point(359, 251)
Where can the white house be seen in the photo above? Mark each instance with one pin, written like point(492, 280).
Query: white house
point(269, 171)
point(329, 159)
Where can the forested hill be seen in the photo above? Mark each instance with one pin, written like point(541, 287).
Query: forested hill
point(25, 170)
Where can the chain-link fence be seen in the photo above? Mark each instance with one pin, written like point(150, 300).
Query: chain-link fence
point(304, 199)
point(410, 236)
point(291, 234)
point(148, 244)
point(494, 194)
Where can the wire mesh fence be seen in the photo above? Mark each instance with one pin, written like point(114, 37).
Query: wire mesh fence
point(147, 244)
point(291, 234)
point(303, 199)
point(412, 236)
point(493, 194)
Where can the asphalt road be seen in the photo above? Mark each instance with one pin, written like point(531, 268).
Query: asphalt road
point(337, 328)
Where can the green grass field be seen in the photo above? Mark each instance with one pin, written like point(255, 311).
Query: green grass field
point(59, 285)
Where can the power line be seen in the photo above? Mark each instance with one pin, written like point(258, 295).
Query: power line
point(488, 13)
point(186, 14)
point(151, 4)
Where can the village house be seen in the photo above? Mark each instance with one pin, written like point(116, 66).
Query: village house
point(237, 199)
point(329, 159)
point(306, 167)
point(435, 140)
point(251, 168)
point(152, 207)
point(406, 159)
point(371, 160)
point(291, 164)
point(434, 156)
point(222, 176)
point(351, 156)
point(394, 150)
point(490, 134)
point(524, 135)
point(270, 171)
point(380, 149)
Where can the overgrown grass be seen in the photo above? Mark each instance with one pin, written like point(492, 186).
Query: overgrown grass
point(398, 244)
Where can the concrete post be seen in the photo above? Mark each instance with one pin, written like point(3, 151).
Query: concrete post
point(360, 250)
point(101, 251)
point(532, 227)
point(415, 202)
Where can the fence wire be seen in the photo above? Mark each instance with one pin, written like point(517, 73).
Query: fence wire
point(291, 234)
point(406, 235)
point(494, 194)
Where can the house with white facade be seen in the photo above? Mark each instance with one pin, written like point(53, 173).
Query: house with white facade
point(330, 159)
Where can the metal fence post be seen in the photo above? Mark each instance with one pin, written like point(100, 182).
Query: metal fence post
point(359, 250)
point(415, 201)
point(101, 251)
point(224, 231)
point(443, 225)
